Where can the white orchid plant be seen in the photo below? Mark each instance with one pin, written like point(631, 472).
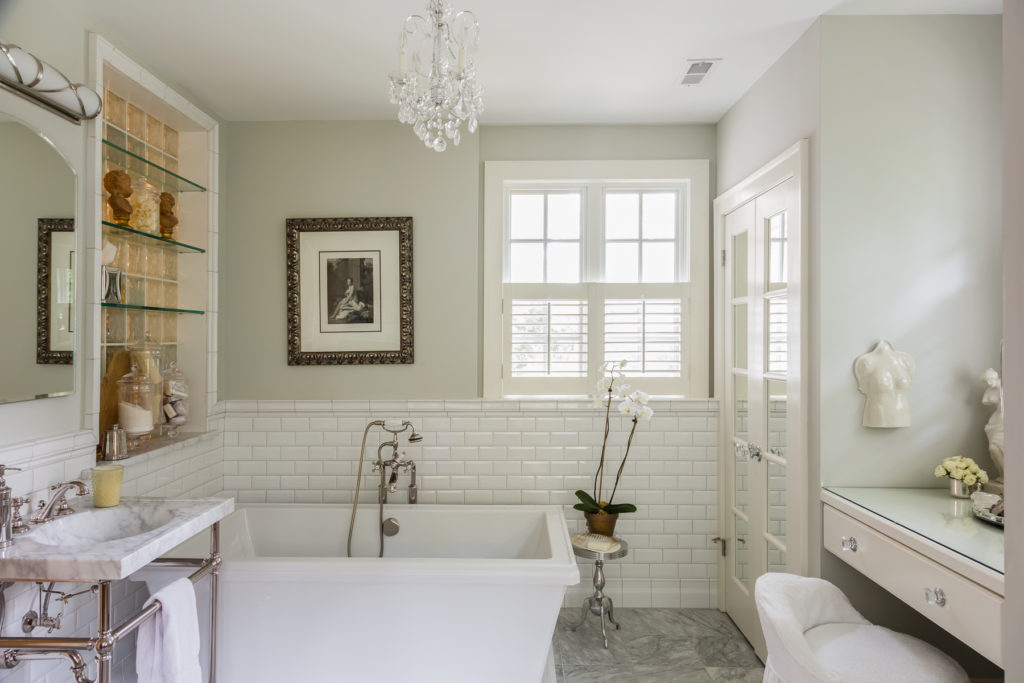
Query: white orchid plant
point(963, 469)
point(612, 388)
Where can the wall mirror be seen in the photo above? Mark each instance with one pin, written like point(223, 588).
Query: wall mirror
point(37, 258)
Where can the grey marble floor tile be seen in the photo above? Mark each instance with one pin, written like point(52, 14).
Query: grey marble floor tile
point(585, 647)
point(726, 652)
point(732, 674)
point(678, 654)
point(655, 646)
point(634, 674)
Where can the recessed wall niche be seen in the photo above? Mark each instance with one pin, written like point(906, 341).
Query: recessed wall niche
point(156, 194)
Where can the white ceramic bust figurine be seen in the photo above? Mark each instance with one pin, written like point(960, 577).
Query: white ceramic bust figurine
point(883, 376)
point(993, 396)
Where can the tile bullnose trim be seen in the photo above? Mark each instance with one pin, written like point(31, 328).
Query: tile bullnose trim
point(393, 408)
point(42, 451)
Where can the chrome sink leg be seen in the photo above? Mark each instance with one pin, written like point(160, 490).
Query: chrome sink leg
point(215, 556)
point(105, 644)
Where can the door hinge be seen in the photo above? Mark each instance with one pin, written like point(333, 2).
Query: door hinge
point(721, 543)
point(723, 257)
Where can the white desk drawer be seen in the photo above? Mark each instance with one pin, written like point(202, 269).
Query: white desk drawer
point(969, 611)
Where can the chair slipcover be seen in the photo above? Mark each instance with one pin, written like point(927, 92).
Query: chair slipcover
point(814, 635)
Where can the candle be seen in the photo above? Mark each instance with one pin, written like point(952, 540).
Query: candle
point(462, 58)
point(106, 485)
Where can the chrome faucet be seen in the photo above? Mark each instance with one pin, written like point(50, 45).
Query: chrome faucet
point(389, 484)
point(57, 505)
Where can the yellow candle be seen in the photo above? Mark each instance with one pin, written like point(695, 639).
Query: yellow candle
point(106, 485)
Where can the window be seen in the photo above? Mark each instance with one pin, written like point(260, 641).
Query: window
point(588, 262)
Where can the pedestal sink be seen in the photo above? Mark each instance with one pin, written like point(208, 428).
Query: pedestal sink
point(98, 544)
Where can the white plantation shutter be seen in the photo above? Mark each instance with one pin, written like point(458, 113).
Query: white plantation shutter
point(548, 338)
point(588, 262)
point(647, 333)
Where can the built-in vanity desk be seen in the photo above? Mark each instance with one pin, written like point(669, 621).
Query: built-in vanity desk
point(929, 550)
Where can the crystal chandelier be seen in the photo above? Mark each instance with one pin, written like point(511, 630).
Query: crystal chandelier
point(435, 86)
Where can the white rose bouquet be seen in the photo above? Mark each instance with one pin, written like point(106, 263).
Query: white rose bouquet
point(962, 469)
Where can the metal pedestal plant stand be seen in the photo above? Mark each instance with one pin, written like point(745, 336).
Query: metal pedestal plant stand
point(599, 604)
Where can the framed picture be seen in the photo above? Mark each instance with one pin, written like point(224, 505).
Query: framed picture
point(349, 291)
point(55, 310)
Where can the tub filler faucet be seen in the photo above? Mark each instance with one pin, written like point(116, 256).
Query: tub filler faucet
point(388, 482)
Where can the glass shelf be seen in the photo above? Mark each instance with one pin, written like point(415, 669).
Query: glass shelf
point(158, 175)
point(134, 307)
point(181, 247)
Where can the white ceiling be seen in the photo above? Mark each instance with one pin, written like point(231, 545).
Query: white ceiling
point(540, 61)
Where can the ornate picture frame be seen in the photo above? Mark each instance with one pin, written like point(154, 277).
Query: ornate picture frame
point(53, 328)
point(349, 291)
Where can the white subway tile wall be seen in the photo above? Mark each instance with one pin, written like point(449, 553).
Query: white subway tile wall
point(191, 469)
point(507, 452)
point(473, 452)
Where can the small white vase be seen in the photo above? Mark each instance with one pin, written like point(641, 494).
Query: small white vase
point(958, 489)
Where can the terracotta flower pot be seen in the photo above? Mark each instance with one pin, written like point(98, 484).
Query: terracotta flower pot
point(601, 523)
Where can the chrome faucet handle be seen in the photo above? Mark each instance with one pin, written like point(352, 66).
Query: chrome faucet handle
point(63, 508)
point(18, 525)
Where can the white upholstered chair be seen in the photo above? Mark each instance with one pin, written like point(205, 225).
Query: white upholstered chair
point(814, 635)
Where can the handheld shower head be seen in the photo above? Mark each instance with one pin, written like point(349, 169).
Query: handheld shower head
point(415, 437)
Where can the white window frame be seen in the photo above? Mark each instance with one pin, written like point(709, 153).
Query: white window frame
point(692, 176)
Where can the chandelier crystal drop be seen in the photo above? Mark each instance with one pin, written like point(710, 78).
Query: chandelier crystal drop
point(435, 86)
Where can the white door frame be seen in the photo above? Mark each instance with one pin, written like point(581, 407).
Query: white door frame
point(791, 164)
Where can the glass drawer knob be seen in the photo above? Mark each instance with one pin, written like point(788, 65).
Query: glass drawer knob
point(849, 543)
point(935, 596)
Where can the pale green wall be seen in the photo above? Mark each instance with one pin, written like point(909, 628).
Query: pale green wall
point(35, 182)
point(910, 235)
point(274, 171)
point(902, 115)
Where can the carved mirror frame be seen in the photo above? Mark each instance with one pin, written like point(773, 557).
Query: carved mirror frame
point(44, 354)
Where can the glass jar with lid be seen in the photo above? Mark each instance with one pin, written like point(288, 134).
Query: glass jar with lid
point(145, 206)
point(135, 399)
point(148, 356)
point(174, 403)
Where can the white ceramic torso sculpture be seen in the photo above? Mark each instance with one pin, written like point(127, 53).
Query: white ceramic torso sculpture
point(993, 396)
point(883, 376)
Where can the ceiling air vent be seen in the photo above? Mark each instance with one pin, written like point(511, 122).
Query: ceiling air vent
point(698, 71)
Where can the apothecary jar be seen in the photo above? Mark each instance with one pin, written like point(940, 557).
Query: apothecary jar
point(135, 400)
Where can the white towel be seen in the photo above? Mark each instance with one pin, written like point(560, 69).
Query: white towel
point(167, 650)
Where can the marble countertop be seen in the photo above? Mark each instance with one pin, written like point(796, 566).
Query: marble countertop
point(937, 516)
point(89, 556)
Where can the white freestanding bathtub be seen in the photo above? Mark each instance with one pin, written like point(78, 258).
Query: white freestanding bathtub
point(464, 593)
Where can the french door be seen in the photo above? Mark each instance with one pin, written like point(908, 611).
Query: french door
point(764, 485)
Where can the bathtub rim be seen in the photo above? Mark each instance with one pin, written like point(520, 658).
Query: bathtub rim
point(560, 568)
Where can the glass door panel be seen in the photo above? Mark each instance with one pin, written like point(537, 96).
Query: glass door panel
point(775, 406)
point(741, 555)
point(739, 327)
point(777, 335)
point(740, 261)
point(740, 406)
point(776, 502)
point(778, 266)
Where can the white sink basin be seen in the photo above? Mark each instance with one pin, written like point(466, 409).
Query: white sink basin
point(98, 544)
point(88, 527)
